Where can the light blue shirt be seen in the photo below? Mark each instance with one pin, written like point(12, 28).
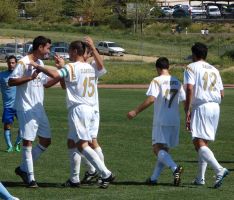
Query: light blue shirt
point(8, 93)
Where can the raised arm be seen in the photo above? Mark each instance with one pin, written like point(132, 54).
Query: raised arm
point(22, 80)
point(148, 101)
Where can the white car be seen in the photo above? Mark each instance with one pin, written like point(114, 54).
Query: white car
point(213, 11)
point(61, 51)
point(109, 48)
point(198, 11)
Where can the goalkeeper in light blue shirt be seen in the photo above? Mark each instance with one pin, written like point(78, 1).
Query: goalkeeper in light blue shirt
point(8, 98)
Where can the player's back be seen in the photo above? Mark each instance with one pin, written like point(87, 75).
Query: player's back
point(207, 83)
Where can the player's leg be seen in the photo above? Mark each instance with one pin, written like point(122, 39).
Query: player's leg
point(75, 160)
point(4, 194)
point(17, 142)
point(7, 136)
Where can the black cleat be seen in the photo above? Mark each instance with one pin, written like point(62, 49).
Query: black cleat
point(177, 175)
point(104, 182)
point(22, 174)
point(69, 183)
point(33, 184)
point(89, 177)
point(151, 182)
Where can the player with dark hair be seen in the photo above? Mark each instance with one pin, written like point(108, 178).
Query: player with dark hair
point(8, 98)
point(204, 91)
point(165, 91)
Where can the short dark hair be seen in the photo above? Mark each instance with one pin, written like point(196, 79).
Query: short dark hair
point(79, 46)
point(40, 40)
point(162, 63)
point(200, 50)
point(11, 57)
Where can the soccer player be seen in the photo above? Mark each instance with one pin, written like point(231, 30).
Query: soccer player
point(4, 194)
point(32, 118)
point(204, 91)
point(81, 86)
point(8, 98)
point(165, 91)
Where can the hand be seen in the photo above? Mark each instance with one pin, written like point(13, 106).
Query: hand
point(34, 64)
point(131, 114)
point(188, 121)
point(89, 42)
point(59, 62)
point(35, 74)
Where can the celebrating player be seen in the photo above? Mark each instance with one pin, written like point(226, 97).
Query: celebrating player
point(204, 90)
point(165, 91)
point(8, 98)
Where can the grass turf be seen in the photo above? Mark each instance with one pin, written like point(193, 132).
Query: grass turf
point(127, 148)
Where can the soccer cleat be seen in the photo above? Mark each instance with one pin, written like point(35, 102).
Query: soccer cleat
point(33, 184)
point(22, 174)
point(69, 183)
point(220, 177)
point(89, 177)
point(177, 175)
point(197, 181)
point(104, 182)
point(10, 149)
point(151, 182)
point(17, 148)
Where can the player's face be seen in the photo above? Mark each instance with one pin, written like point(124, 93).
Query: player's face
point(44, 50)
point(72, 54)
point(11, 64)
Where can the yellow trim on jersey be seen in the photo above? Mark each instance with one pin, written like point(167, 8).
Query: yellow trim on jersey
point(22, 63)
point(189, 69)
point(72, 74)
point(156, 82)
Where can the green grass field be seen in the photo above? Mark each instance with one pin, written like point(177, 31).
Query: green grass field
point(127, 148)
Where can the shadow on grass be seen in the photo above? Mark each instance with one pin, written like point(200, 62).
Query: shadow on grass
point(195, 161)
point(42, 185)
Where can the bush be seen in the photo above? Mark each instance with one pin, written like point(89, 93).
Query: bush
point(115, 23)
point(229, 53)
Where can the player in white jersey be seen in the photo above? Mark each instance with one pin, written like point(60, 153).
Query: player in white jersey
point(165, 91)
point(81, 86)
point(204, 91)
point(30, 111)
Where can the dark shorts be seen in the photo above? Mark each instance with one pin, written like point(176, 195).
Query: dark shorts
point(8, 115)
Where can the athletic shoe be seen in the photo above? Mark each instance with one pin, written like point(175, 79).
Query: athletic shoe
point(33, 184)
point(220, 177)
point(151, 182)
point(69, 183)
point(22, 174)
point(89, 177)
point(197, 181)
point(17, 148)
point(10, 149)
point(177, 175)
point(104, 182)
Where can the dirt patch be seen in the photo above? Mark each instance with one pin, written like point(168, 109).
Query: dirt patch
point(131, 57)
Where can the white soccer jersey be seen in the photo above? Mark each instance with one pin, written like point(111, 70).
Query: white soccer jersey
point(168, 92)
point(81, 83)
point(30, 94)
point(208, 82)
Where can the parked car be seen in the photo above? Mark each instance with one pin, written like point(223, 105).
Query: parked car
point(5, 52)
point(109, 48)
point(198, 12)
point(213, 12)
point(61, 51)
point(167, 11)
point(228, 13)
point(181, 11)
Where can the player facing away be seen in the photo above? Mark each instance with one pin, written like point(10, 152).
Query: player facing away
point(8, 98)
point(204, 91)
point(81, 87)
point(5, 195)
point(32, 118)
point(165, 91)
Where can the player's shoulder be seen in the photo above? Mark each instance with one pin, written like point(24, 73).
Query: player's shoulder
point(23, 61)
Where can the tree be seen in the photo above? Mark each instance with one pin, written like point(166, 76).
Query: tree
point(8, 10)
point(45, 10)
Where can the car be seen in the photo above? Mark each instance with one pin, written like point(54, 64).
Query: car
point(60, 51)
point(167, 11)
point(5, 52)
point(198, 12)
point(181, 11)
point(109, 48)
point(228, 13)
point(213, 12)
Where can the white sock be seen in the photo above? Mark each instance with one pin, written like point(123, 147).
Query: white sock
point(37, 151)
point(98, 150)
point(166, 159)
point(94, 159)
point(206, 154)
point(75, 160)
point(159, 166)
point(27, 157)
point(202, 165)
point(90, 168)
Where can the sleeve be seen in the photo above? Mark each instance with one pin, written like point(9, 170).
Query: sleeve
point(18, 71)
point(67, 72)
point(153, 89)
point(182, 95)
point(189, 76)
point(98, 73)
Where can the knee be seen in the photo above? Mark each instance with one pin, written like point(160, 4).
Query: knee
point(45, 142)
point(81, 145)
point(71, 144)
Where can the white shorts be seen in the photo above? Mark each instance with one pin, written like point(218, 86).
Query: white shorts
point(33, 123)
point(204, 121)
point(168, 135)
point(81, 121)
point(95, 128)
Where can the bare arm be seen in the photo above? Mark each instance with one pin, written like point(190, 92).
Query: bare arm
point(148, 101)
point(51, 82)
point(187, 107)
point(22, 80)
point(222, 94)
